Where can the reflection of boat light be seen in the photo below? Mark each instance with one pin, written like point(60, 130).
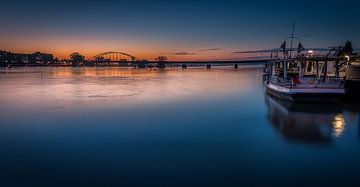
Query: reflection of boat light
point(338, 125)
point(307, 123)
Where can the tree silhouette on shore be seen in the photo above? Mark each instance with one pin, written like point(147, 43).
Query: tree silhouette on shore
point(77, 58)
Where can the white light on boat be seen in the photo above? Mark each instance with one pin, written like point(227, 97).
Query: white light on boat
point(311, 52)
point(347, 58)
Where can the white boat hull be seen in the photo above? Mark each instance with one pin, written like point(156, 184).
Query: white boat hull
point(332, 94)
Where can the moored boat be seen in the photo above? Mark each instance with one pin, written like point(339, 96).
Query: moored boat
point(305, 77)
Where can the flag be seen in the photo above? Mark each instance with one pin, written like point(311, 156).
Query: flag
point(283, 46)
point(300, 48)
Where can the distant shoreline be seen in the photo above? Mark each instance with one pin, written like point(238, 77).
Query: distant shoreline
point(167, 64)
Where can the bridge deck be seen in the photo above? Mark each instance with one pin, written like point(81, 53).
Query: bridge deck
point(198, 62)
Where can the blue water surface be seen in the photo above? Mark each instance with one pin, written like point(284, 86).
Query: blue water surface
point(195, 127)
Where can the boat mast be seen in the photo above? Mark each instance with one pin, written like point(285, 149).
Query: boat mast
point(292, 40)
point(285, 55)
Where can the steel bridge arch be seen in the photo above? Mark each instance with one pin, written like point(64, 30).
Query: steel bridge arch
point(104, 54)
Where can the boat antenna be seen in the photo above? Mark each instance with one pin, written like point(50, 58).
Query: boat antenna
point(292, 39)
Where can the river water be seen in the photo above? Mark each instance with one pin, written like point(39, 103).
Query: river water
point(195, 127)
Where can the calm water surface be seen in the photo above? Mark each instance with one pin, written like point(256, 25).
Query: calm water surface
point(127, 127)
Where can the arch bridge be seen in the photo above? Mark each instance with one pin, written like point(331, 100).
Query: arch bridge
point(113, 57)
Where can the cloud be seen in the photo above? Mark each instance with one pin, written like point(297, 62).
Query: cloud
point(183, 53)
point(211, 49)
point(256, 51)
point(195, 52)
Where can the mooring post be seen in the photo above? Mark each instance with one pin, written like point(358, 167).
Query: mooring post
point(161, 65)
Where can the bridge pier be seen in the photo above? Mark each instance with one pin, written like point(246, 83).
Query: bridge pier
point(208, 66)
point(123, 64)
point(161, 65)
point(141, 64)
point(184, 66)
point(236, 66)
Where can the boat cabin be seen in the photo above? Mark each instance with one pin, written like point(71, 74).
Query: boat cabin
point(307, 71)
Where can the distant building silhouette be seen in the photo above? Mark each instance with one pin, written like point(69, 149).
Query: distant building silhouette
point(42, 57)
point(3, 57)
point(22, 58)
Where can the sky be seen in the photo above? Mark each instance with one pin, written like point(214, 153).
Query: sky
point(180, 30)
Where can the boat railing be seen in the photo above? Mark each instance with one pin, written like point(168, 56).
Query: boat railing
point(308, 82)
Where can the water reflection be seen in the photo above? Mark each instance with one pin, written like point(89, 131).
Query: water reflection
point(100, 87)
point(307, 123)
point(338, 125)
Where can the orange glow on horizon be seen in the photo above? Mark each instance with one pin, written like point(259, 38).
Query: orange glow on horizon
point(64, 53)
point(62, 47)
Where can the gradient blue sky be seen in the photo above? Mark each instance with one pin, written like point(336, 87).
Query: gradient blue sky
point(179, 29)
